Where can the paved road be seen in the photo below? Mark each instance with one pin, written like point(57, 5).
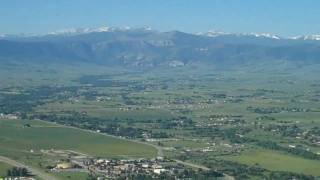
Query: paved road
point(192, 165)
point(34, 171)
point(226, 176)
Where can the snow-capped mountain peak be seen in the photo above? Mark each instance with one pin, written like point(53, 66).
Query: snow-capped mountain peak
point(72, 31)
point(211, 33)
point(315, 37)
point(75, 31)
point(265, 35)
point(103, 29)
point(214, 33)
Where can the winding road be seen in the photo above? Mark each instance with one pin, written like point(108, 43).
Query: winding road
point(192, 165)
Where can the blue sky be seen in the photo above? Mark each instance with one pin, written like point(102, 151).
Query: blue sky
point(283, 17)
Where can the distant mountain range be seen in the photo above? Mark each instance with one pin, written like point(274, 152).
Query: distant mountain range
point(144, 47)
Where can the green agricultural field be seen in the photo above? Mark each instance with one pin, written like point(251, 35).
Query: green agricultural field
point(99, 110)
point(41, 135)
point(278, 161)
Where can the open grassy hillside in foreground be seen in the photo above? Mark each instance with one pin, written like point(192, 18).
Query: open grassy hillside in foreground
point(4, 168)
point(71, 175)
point(40, 135)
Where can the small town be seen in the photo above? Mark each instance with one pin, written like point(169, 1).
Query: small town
point(115, 168)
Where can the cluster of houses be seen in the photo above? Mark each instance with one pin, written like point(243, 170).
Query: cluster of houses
point(8, 116)
point(111, 169)
point(222, 148)
point(221, 122)
point(17, 178)
point(115, 168)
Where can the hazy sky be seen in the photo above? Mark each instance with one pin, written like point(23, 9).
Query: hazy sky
point(284, 17)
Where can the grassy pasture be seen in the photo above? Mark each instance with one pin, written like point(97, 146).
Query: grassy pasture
point(43, 135)
point(278, 161)
point(98, 110)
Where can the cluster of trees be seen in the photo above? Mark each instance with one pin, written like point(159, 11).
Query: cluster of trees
point(18, 172)
point(82, 121)
point(159, 135)
point(184, 174)
point(103, 81)
point(266, 118)
point(289, 175)
point(285, 130)
point(314, 131)
point(299, 151)
point(118, 130)
point(234, 135)
point(219, 116)
point(177, 122)
point(242, 171)
point(215, 95)
point(269, 110)
point(200, 174)
point(24, 102)
point(313, 135)
point(109, 126)
point(130, 101)
point(181, 100)
point(91, 95)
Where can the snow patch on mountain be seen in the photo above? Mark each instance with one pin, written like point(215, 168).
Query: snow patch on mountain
point(315, 37)
point(265, 35)
point(77, 31)
point(214, 33)
point(72, 31)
